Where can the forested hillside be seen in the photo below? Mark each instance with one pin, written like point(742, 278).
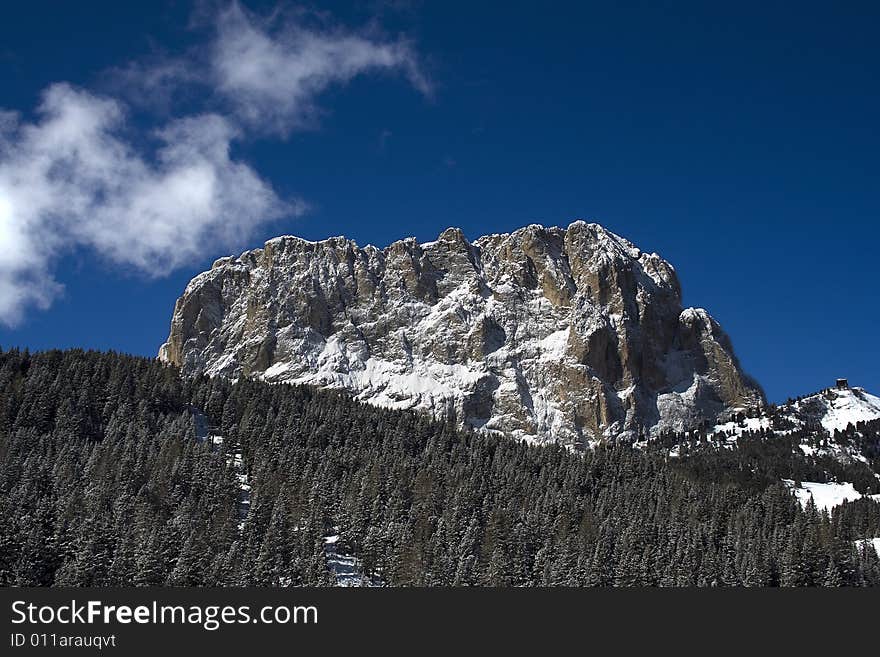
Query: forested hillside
point(110, 474)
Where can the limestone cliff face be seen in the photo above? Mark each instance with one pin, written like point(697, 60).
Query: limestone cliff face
point(545, 333)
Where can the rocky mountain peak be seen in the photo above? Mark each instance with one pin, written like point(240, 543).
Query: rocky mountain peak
point(570, 334)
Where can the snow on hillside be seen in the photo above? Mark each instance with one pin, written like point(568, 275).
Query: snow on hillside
point(835, 408)
point(826, 496)
point(738, 428)
point(860, 544)
point(832, 409)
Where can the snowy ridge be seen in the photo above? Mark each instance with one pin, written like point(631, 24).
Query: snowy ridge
point(819, 416)
point(836, 408)
point(832, 409)
point(816, 417)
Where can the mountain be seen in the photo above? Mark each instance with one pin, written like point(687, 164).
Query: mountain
point(571, 334)
point(841, 423)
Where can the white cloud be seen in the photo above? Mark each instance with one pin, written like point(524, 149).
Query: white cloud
point(80, 176)
point(273, 77)
point(266, 71)
point(71, 179)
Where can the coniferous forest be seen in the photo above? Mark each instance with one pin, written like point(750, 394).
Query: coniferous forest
point(115, 470)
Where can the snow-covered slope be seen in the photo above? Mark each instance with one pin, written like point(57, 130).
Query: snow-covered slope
point(823, 425)
point(570, 334)
point(832, 409)
point(836, 408)
point(825, 496)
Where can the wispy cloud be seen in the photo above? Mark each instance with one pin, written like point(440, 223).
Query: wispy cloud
point(272, 75)
point(157, 83)
point(78, 175)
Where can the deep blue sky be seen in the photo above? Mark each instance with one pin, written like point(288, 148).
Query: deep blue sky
point(738, 140)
